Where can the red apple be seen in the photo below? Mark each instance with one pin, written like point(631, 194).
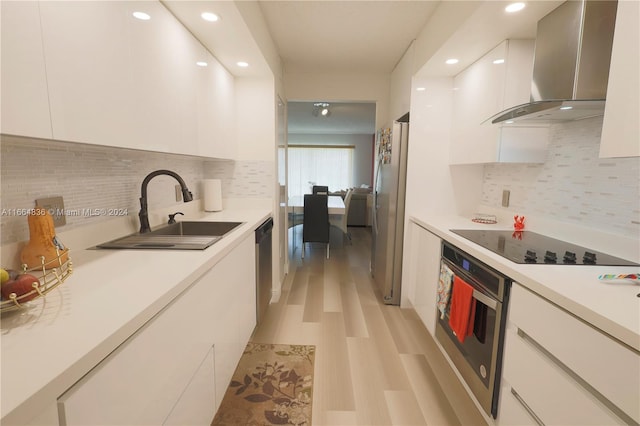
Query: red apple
point(23, 284)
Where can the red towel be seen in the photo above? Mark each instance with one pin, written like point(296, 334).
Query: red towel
point(463, 307)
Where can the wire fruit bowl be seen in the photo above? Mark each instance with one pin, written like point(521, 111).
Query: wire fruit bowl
point(50, 274)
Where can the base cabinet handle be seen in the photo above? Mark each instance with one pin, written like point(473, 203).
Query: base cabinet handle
point(528, 409)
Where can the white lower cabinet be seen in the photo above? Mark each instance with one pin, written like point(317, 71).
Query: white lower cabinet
point(194, 406)
point(423, 272)
point(513, 410)
point(560, 370)
point(165, 372)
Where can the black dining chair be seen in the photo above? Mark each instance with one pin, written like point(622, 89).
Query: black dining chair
point(317, 189)
point(315, 228)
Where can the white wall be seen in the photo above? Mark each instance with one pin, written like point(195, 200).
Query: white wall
point(363, 152)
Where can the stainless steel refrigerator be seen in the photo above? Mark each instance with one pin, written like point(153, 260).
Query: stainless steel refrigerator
point(388, 208)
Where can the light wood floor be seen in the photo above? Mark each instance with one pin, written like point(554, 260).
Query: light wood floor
point(375, 364)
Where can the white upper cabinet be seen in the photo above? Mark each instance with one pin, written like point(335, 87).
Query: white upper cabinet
point(114, 80)
point(621, 128)
point(25, 104)
point(498, 80)
point(164, 56)
point(88, 71)
point(216, 110)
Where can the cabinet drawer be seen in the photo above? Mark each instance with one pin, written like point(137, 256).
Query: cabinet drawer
point(196, 405)
point(605, 364)
point(141, 381)
point(548, 390)
point(512, 410)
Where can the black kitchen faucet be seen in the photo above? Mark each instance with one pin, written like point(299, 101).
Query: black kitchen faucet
point(143, 215)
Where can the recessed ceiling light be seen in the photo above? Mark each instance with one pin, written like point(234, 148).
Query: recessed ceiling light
point(498, 61)
point(509, 122)
point(421, 89)
point(201, 64)
point(208, 16)
point(564, 108)
point(514, 7)
point(451, 61)
point(242, 64)
point(142, 16)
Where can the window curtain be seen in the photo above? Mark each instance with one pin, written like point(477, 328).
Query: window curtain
point(310, 165)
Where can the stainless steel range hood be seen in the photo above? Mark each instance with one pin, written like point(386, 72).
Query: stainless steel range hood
point(571, 64)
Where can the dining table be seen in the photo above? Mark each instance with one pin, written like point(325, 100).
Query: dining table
point(335, 203)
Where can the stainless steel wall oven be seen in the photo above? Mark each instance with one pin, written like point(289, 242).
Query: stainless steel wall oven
point(478, 357)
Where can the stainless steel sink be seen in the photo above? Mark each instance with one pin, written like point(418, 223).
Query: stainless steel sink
point(178, 236)
point(215, 229)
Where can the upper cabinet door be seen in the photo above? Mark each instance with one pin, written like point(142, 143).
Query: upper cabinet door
point(90, 72)
point(500, 79)
point(163, 63)
point(25, 103)
point(621, 128)
point(88, 59)
point(216, 111)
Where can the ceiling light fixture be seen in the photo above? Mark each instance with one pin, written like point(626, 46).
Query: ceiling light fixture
point(211, 17)
point(201, 64)
point(498, 61)
point(451, 61)
point(565, 108)
point(421, 89)
point(514, 7)
point(242, 64)
point(141, 16)
point(321, 108)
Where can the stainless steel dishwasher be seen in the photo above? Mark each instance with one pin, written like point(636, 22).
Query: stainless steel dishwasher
point(263, 268)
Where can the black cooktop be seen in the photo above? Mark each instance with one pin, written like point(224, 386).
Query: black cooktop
point(529, 247)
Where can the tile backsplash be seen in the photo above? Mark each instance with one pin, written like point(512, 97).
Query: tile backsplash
point(243, 179)
point(573, 185)
point(92, 178)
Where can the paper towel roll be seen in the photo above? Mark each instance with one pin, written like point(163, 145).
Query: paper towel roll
point(212, 195)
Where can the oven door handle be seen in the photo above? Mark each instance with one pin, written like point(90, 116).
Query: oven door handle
point(478, 295)
point(493, 304)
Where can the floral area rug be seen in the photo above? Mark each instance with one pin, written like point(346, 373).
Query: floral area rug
point(272, 385)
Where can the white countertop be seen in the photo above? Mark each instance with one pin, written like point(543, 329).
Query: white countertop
point(111, 293)
point(611, 306)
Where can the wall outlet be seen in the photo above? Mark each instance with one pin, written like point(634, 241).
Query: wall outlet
point(55, 206)
point(178, 193)
point(505, 197)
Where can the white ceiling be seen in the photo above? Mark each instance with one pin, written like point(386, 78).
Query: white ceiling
point(355, 37)
point(345, 118)
point(344, 36)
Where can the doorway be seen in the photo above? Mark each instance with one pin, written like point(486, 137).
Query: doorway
point(329, 144)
